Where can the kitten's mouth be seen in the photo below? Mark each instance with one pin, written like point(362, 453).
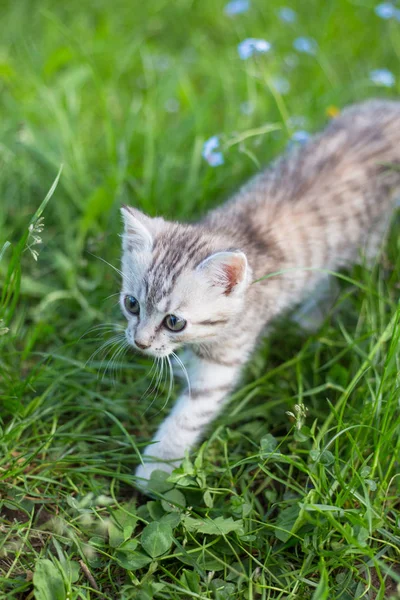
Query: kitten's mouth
point(151, 353)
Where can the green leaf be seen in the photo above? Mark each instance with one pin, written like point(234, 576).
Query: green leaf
point(322, 591)
point(223, 590)
point(128, 558)
point(48, 581)
point(97, 541)
point(362, 536)
point(285, 522)
point(125, 515)
point(4, 248)
point(365, 471)
point(325, 457)
point(218, 526)
point(158, 482)
point(173, 501)
point(303, 434)
point(208, 501)
point(191, 580)
point(191, 524)
point(199, 558)
point(122, 525)
point(131, 561)
point(116, 535)
point(172, 519)
point(157, 538)
point(268, 444)
point(72, 570)
point(47, 198)
point(155, 509)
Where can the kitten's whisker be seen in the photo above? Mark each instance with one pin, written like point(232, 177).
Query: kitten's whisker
point(160, 378)
point(110, 363)
point(112, 296)
point(159, 363)
point(113, 364)
point(112, 266)
point(112, 341)
point(104, 345)
point(149, 387)
point(107, 263)
point(131, 281)
point(184, 370)
point(171, 380)
point(103, 328)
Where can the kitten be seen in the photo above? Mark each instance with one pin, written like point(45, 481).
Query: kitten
point(197, 284)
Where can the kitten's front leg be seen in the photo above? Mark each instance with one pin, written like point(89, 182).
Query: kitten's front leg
point(212, 377)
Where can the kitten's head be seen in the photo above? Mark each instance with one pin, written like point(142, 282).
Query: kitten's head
point(181, 284)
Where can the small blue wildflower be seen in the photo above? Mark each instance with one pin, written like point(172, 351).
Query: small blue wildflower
point(252, 46)
point(305, 44)
point(281, 85)
point(287, 15)
point(210, 152)
point(300, 137)
point(386, 10)
point(382, 77)
point(236, 7)
point(247, 108)
point(211, 144)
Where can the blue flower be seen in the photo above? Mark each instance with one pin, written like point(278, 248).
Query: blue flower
point(305, 44)
point(287, 15)
point(382, 77)
point(252, 46)
point(280, 84)
point(211, 153)
point(236, 7)
point(387, 11)
point(300, 137)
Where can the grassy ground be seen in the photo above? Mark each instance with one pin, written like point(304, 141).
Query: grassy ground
point(123, 95)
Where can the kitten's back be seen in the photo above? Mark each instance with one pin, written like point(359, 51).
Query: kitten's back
point(318, 204)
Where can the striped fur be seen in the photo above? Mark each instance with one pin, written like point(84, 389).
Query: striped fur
point(314, 209)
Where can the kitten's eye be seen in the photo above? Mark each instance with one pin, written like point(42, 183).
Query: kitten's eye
point(132, 305)
point(174, 323)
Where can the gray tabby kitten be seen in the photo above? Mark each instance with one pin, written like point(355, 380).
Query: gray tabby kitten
point(193, 284)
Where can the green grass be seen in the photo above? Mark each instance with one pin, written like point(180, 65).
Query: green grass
point(264, 509)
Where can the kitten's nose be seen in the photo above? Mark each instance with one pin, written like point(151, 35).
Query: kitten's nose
point(141, 345)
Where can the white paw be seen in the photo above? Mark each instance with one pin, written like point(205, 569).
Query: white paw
point(144, 472)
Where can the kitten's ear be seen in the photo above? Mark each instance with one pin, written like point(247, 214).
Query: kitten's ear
point(227, 270)
point(138, 233)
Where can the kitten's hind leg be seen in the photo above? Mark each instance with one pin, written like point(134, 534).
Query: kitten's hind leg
point(375, 242)
point(313, 310)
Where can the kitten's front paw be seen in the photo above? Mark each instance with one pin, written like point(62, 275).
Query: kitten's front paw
point(143, 472)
